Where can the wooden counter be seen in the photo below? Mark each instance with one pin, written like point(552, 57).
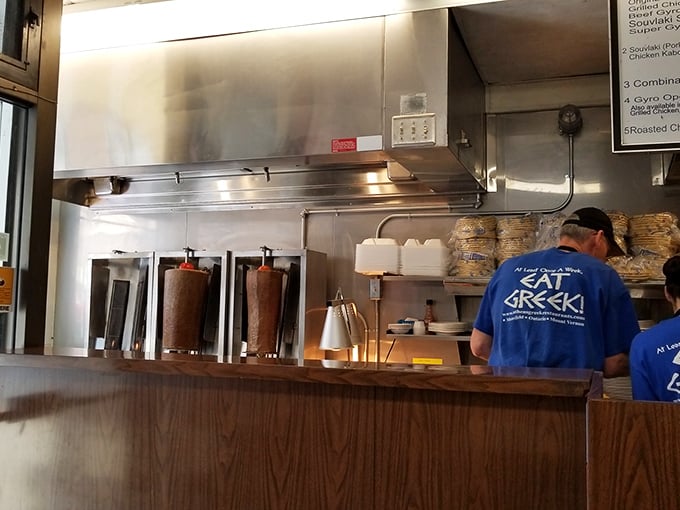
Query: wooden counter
point(95, 429)
point(633, 459)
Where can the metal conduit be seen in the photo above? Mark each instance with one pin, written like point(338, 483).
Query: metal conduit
point(305, 213)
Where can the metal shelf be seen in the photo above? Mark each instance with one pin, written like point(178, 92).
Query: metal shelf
point(446, 338)
point(466, 286)
point(648, 289)
point(399, 278)
point(412, 344)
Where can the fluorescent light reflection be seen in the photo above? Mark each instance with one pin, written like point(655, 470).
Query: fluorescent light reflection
point(372, 178)
point(181, 19)
point(558, 189)
point(223, 189)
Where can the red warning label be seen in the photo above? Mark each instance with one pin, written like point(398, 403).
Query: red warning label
point(344, 145)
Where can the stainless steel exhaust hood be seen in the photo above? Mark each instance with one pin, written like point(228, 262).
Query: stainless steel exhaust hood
point(398, 91)
point(665, 168)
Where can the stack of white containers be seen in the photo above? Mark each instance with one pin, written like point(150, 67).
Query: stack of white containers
point(428, 259)
point(385, 256)
point(377, 256)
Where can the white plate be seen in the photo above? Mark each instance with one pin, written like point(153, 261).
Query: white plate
point(399, 327)
point(448, 327)
point(448, 324)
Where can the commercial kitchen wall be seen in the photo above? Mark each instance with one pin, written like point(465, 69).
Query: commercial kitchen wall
point(531, 162)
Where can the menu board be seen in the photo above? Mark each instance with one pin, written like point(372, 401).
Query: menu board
point(645, 74)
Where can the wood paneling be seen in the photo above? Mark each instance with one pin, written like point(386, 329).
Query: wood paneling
point(91, 433)
point(83, 440)
point(476, 451)
point(633, 458)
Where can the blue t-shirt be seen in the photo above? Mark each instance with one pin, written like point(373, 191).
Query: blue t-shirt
point(555, 308)
point(655, 362)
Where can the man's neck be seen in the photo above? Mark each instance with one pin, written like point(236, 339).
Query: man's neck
point(676, 306)
point(568, 241)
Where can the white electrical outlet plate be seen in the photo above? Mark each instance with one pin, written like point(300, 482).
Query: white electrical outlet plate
point(415, 129)
point(374, 288)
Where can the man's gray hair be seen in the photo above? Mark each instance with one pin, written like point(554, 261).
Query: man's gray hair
point(576, 232)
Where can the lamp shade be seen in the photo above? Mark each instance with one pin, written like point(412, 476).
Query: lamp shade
point(349, 312)
point(335, 335)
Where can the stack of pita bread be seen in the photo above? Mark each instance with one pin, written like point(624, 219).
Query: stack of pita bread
point(620, 224)
point(652, 238)
point(473, 242)
point(515, 235)
point(654, 234)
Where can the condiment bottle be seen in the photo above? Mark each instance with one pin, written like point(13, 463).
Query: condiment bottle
point(429, 314)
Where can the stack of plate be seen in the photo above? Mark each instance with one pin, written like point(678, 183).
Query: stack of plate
point(646, 324)
point(617, 388)
point(448, 328)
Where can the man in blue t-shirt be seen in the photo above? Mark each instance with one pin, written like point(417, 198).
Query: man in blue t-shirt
point(655, 353)
point(560, 307)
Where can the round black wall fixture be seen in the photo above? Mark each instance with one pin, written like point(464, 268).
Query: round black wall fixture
point(569, 120)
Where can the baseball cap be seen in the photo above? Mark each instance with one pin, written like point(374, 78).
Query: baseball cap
point(595, 219)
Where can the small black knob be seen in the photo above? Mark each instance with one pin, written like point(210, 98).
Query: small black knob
point(569, 120)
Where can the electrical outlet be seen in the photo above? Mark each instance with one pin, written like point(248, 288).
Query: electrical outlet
point(416, 129)
point(374, 288)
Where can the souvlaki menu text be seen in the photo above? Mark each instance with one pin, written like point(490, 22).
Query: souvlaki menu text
point(649, 71)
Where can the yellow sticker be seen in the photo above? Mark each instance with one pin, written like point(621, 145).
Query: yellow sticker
point(6, 288)
point(427, 361)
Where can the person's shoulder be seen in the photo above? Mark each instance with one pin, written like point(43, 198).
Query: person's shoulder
point(656, 335)
point(642, 342)
point(589, 260)
point(670, 325)
point(595, 264)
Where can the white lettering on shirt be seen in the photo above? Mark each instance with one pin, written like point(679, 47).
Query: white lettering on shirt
point(543, 288)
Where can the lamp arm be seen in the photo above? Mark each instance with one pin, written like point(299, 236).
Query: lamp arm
point(366, 335)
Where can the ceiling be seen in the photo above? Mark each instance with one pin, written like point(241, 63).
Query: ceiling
point(512, 41)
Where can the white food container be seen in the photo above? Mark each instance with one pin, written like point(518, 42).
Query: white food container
point(428, 259)
point(377, 256)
